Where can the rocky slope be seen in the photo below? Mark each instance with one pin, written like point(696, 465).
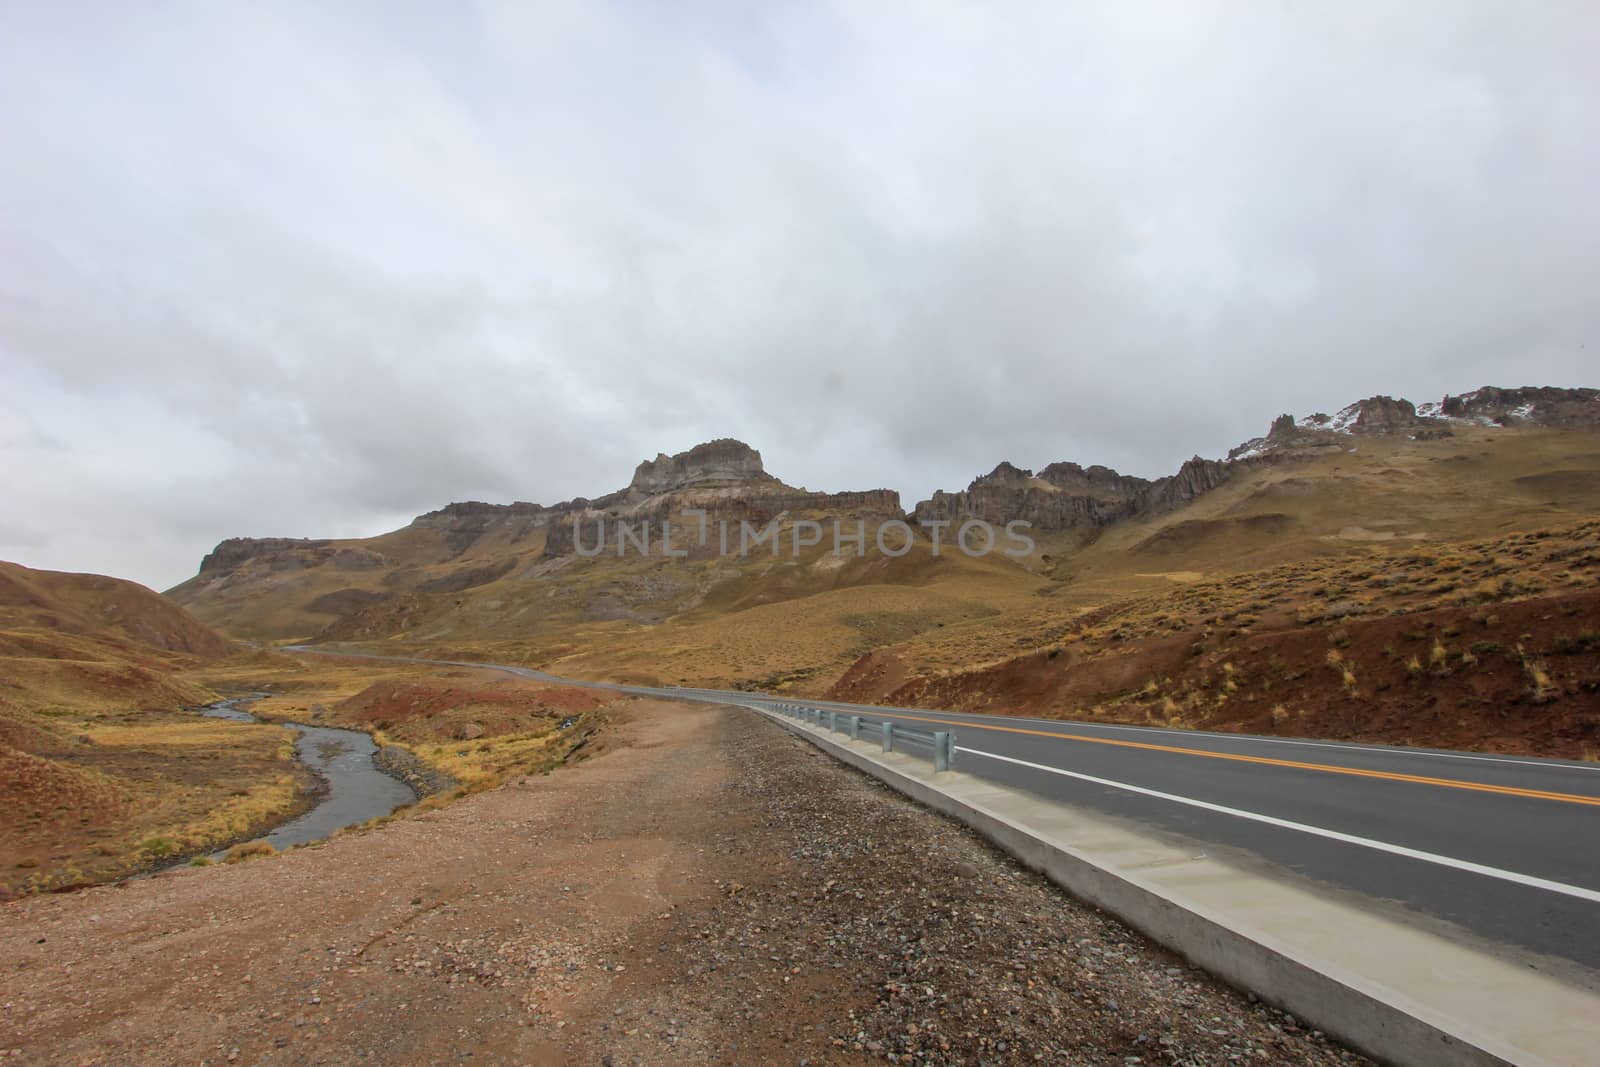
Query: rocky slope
point(528, 580)
point(1065, 497)
point(1544, 407)
point(1490, 645)
point(279, 588)
point(724, 480)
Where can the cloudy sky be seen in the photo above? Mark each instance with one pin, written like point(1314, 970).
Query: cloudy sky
point(283, 269)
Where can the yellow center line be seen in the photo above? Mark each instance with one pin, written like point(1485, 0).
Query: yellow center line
point(1324, 768)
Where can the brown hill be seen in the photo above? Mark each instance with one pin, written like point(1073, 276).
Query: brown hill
point(77, 642)
point(97, 761)
point(95, 605)
point(1379, 479)
point(519, 570)
point(1490, 644)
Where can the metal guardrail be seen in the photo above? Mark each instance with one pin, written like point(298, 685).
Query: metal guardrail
point(941, 743)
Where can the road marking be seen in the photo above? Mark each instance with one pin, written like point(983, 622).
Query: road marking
point(1563, 888)
point(1547, 764)
point(1324, 768)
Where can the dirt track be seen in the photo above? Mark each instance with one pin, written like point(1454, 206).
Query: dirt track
point(708, 889)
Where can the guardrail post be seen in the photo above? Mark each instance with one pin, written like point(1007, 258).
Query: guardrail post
point(833, 722)
point(941, 751)
point(888, 737)
point(855, 727)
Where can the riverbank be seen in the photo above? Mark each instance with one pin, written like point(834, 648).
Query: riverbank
point(109, 793)
point(97, 792)
point(701, 889)
point(352, 786)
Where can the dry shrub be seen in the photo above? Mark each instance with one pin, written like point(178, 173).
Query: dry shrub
point(248, 851)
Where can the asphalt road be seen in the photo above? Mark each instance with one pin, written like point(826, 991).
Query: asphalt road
point(1504, 848)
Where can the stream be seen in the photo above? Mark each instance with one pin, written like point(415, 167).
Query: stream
point(342, 759)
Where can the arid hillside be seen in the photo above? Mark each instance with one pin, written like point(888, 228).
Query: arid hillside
point(472, 569)
point(101, 769)
point(1489, 644)
point(1361, 491)
point(76, 641)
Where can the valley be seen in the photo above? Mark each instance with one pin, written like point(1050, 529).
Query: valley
point(1395, 574)
point(1441, 556)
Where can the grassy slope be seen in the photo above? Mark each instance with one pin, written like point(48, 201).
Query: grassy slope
point(801, 625)
point(1490, 644)
point(100, 772)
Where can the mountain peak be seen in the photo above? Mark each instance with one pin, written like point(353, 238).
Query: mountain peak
point(721, 462)
point(1489, 406)
point(1006, 473)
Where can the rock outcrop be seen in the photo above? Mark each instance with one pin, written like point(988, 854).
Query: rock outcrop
point(1063, 496)
point(1196, 477)
point(724, 479)
point(1093, 480)
point(1382, 415)
point(1552, 407)
point(720, 462)
point(235, 552)
point(1066, 497)
point(1536, 405)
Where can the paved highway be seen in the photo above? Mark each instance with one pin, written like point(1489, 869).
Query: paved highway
point(1506, 848)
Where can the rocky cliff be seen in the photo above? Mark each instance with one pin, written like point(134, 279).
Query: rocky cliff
point(725, 479)
point(716, 463)
point(498, 568)
point(1066, 497)
point(1062, 496)
point(1535, 406)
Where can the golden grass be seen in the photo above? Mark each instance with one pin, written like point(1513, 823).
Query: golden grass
point(249, 850)
point(141, 790)
point(487, 763)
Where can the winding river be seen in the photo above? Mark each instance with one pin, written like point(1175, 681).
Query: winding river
point(342, 759)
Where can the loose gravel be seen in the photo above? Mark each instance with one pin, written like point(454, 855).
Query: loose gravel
point(706, 889)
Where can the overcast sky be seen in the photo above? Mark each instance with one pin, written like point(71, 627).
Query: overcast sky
point(282, 269)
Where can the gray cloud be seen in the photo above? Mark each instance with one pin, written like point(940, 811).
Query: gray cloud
point(311, 270)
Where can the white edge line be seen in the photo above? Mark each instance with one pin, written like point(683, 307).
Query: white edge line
point(1547, 764)
point(969, 719)
point(1581, 893)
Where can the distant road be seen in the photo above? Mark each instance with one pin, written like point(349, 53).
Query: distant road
point(1506, 848)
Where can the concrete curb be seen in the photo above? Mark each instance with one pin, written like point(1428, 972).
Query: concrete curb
point(1365, 1015)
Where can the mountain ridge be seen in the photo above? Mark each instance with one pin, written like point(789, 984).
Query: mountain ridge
point(527, 571)
point(732, 480)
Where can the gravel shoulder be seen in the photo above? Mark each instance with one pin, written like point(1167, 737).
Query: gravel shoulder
point(705, 888)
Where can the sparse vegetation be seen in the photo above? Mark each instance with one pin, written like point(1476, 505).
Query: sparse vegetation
point(249, 851)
